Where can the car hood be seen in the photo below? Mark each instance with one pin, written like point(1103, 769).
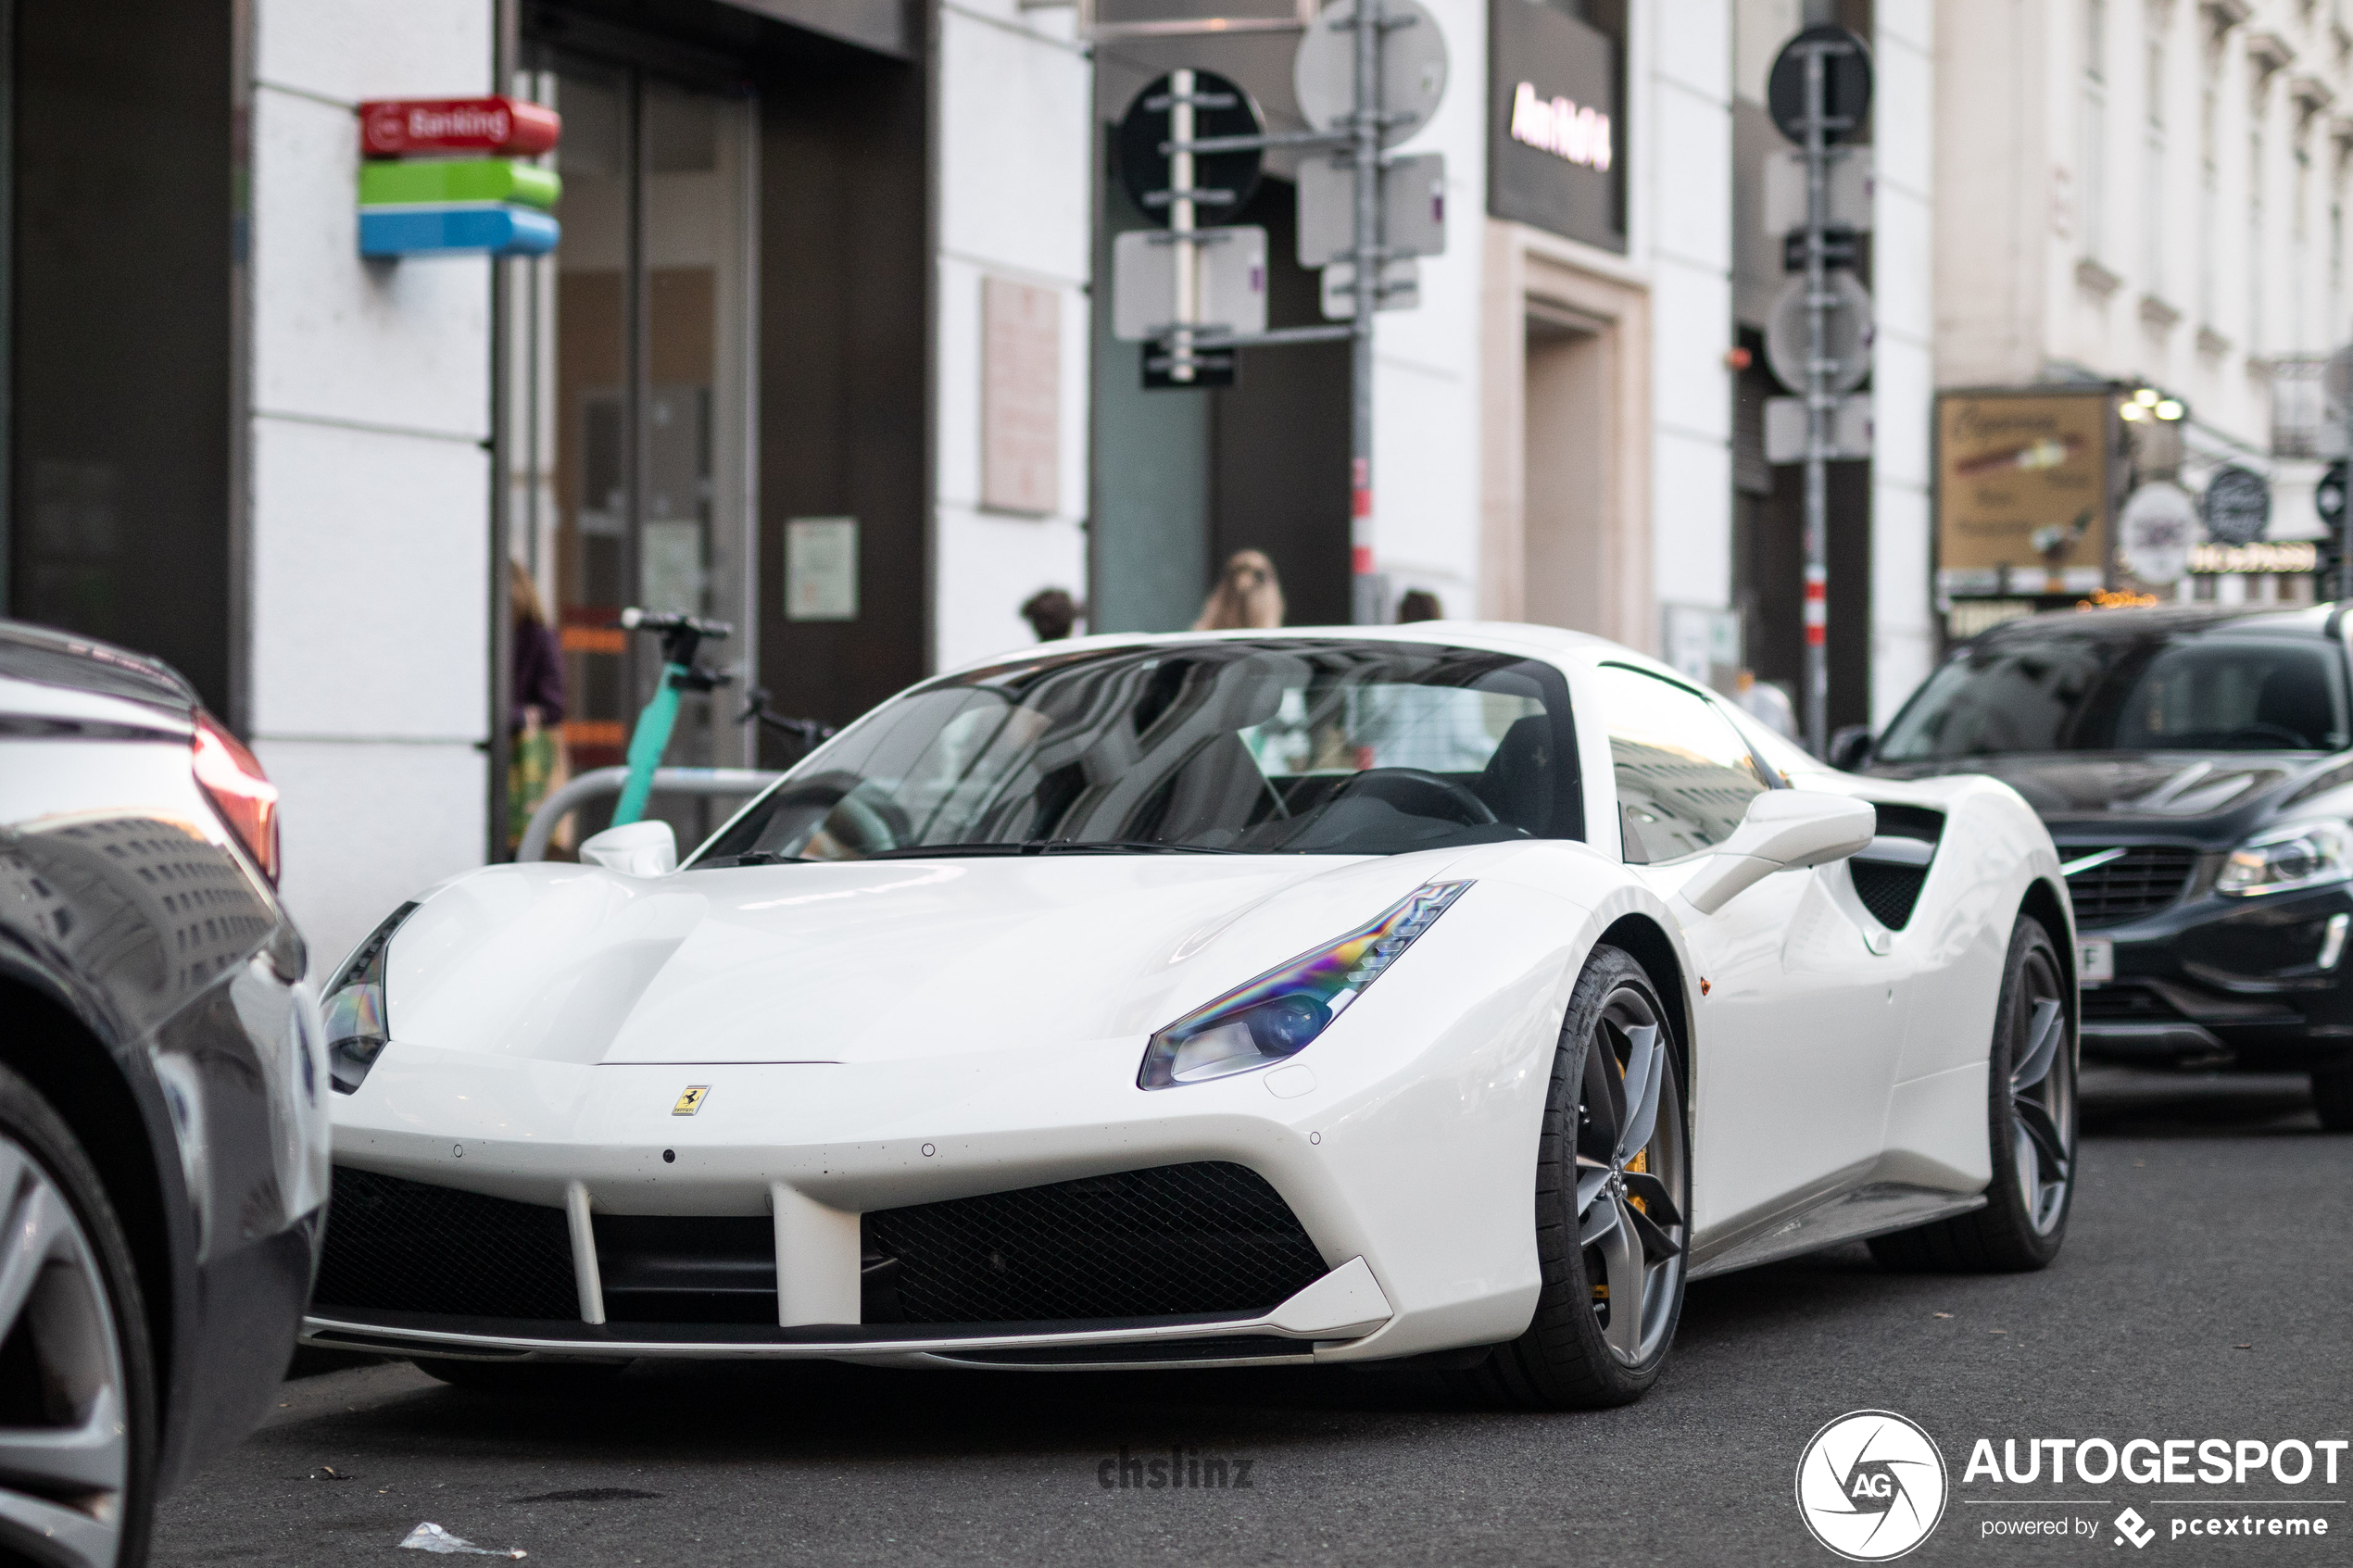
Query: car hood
point(859, 961)
point(2175, 789)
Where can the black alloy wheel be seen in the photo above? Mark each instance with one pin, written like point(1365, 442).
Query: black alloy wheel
point(2030, 1073)
point(1612, 1188)
point(77, 1382)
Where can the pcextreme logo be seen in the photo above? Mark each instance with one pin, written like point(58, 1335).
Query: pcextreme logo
point(1871, 1486)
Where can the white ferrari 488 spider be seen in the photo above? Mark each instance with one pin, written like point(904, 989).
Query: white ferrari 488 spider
point(1449, 992)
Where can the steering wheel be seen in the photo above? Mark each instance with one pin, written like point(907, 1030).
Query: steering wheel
point(1417, 792)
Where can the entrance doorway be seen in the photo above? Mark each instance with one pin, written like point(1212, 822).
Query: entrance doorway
point(638, 445)
point(1566, 540)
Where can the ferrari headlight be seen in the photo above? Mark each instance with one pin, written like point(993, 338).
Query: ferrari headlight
point(1274, 1016)
point(2301, 855)
point(359, 1024)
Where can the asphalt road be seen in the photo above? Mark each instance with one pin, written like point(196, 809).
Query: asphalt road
point(2205, 1290)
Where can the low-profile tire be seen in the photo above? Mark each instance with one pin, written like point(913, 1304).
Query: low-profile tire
point(1612, 1188)
point(2332, 1096)
point(78, 1406)
point(533, 1379)
point(2030, 1121)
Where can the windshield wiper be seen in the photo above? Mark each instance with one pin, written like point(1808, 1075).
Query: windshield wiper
point(1049, 846)
point(758, 857)
point(1117, 845)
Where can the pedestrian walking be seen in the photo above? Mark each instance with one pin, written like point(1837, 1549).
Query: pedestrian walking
point(1248, 596)
point(538, 765)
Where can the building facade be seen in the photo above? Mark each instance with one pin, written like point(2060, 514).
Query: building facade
point(2152, 196)
point(826, 351)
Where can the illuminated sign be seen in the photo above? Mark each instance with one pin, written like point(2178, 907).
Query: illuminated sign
point(2291, 554)
point(1561, 128)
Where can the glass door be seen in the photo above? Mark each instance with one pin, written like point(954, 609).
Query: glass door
point(634, 446)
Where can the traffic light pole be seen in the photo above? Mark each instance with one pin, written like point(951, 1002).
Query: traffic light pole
point(1820, 403)
point(1365, 130)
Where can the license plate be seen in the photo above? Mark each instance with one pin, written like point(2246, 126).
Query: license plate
point(2095, 960)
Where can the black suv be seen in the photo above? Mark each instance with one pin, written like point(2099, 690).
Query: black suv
point(2194, 766)
point(163, 1127)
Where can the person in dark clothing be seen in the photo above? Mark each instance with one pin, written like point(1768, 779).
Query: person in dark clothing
point(538, 764)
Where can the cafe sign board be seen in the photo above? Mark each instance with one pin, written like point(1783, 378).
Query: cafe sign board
point(2024, 491)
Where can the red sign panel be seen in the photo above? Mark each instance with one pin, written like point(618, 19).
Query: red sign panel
point(399, 127)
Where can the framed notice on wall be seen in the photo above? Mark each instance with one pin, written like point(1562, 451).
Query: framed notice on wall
point(2024, 490)
point(821, 569)
point(1021, 404)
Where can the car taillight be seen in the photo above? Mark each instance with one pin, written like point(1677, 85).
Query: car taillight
point(240, 791)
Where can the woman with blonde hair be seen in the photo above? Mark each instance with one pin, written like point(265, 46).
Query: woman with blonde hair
point(1248, 596)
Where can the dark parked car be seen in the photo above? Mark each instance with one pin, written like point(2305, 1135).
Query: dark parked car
point(163, 1140)
point(2195, 766)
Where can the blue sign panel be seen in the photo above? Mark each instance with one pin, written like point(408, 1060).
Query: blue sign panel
point(492, 230)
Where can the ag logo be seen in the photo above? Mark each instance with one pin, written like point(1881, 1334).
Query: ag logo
point(1871, 1485)
point(691, 1101)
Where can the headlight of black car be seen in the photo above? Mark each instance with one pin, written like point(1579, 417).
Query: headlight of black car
point(359, 1020)
point(2283, 859)
point(1273, 1017)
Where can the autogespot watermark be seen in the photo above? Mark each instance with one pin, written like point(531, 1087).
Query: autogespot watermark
point(1872, 1484)
point(1180, 1469)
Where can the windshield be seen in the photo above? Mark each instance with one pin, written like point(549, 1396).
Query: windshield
point(2106, 693)
point(1257, 747)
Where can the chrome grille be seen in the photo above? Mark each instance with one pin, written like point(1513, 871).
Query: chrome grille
point(2147, 877)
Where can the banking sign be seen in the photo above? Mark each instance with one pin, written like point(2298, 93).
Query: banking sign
point(1555, 138)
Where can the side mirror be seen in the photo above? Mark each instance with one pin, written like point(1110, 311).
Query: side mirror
point(634, 849)
point(1783, 828)
point(1850, 747)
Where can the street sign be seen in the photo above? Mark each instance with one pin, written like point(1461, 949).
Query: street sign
point(1413, 68)
point(1851, 186)
point(1401, 287)
point(1233, 283)
point(1847, 91)
point(1839, 249)
point(1413, 207)
point(1785, 428)
point(2238, 506)
point(2328, 495)
point(2155, 533)
point(406, 127)
point(1846, 336)
point(1223, 182)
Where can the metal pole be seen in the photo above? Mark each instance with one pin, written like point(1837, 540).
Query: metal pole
point(1366, 126)
point(2343, 527)
point(1180, 222)
point(1818, 407)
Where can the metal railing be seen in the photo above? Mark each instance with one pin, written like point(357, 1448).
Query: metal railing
point(601, 782)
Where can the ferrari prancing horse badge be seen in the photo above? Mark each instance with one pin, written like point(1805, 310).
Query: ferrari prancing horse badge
point(691, 1101)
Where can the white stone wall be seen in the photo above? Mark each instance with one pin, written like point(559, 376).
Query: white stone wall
point(1015, 169)
point(1426, 361)
point(1902, 375)
point(1679, 77)
point(370, 482)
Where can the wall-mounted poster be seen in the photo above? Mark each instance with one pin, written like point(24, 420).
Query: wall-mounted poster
point(2023, 492)
point(821, 569)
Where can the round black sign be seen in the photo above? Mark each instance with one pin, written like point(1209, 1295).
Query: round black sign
point(2328, 497)
point(1227, 181)
point(2238, 506)
point(1847, 95)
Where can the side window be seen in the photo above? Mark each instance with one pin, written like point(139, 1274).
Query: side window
point(1685, 776)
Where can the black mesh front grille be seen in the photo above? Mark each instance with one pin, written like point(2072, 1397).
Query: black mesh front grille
point(1888, 891)
point(407, 1246)
point(2143, 878)
point(1207, 1238)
